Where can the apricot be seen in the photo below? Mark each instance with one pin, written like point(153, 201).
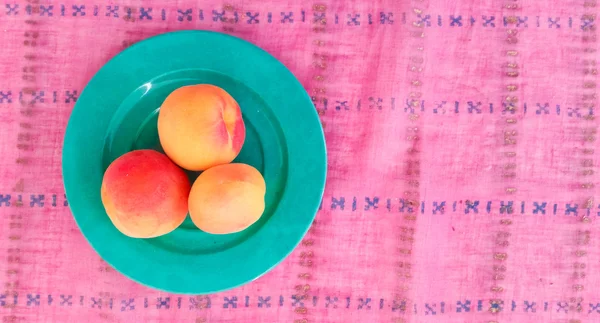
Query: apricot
point(227, 198)
point(201, 126)
point(145, 194)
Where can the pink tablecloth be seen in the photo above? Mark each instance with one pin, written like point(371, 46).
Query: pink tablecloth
point(462, 147)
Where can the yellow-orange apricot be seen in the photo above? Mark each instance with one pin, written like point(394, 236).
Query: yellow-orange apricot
point(227, 198)
point(201, 126)
point(145, 194)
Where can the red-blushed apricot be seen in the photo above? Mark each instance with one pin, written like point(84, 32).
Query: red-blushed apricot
point(227, 198)
point(201, 126)
point(145, 194)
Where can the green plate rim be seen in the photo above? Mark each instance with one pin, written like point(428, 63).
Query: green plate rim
point(307, 199)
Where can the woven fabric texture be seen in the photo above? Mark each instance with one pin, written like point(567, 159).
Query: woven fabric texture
point(462, 161)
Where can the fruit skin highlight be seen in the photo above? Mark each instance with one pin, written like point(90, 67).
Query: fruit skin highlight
point(227, 198)
point(201, 126)
point(145, 194)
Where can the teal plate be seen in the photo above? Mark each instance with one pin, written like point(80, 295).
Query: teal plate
point(117, 112)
